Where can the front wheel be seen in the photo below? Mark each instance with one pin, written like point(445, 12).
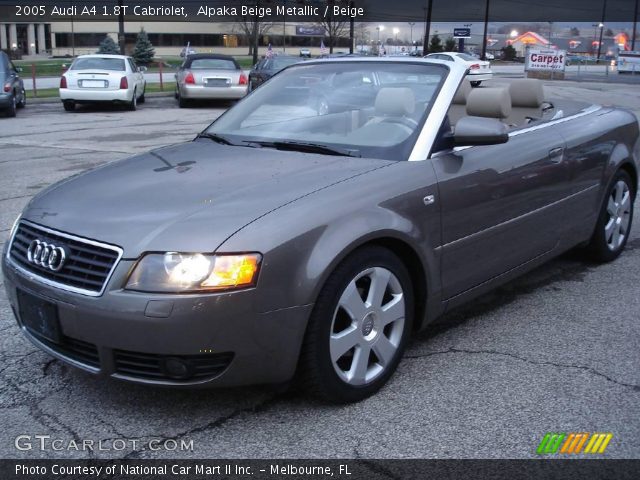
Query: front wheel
point(359, 327)
point(23, 100)
point(142, 99)
point(11, 111)
point(614, 222)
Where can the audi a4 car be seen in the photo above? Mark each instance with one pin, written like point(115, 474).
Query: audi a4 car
point(99, 78)
point(292, 241)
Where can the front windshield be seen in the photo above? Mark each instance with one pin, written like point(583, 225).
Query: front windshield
point(280, 63)
point(370, 109)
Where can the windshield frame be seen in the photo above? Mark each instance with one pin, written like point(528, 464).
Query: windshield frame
point(402, 151)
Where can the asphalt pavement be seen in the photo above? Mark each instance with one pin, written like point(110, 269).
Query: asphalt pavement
point(557, 350)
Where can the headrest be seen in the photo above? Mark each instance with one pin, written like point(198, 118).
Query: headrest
point(526, 92)
point(395, 102)
point(460, 98)
point(489, 102)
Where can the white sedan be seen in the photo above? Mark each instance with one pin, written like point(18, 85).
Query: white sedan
point(479, 70)
point(103, 79)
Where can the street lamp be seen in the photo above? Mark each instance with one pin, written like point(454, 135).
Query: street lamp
point(601, 27)
point(396, 31)
point(411, 24)
point(513, 34)
point(379, 28)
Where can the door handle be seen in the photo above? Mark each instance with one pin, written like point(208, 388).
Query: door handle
point(556, 155)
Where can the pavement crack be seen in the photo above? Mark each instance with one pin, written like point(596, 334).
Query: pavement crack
point(220, 422)
point(46, 366)
point(590, 370)
point(15, 198)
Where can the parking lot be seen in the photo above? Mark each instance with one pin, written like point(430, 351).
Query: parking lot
point(555, 351)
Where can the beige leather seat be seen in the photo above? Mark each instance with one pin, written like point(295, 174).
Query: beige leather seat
point(527, 99)
point(458, 108)
point(489, 102)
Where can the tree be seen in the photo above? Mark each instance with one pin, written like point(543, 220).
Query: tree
point(450, 44)
point(334, 27)
point(246, 25)
point(575, 32)
point(509, 53)
point(143, 51)
point(109, 46)
point(435, 45)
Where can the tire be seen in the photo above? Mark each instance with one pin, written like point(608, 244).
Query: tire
point(11, 110)
point(475, 83)
point(133, 104)
point(182, 102)
point(23, 101)
point(69, 106)
point(614, 222)
point(341, 367)
point(250, 87)
point(142, 99)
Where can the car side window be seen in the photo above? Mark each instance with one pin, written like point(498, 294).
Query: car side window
point(448, 58)
point(133, 66)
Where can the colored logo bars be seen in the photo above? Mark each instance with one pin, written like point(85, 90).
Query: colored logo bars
point(574, 443)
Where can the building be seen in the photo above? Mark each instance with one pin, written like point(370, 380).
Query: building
point(168, 38)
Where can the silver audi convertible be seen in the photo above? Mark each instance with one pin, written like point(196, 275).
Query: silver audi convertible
point(314, 227)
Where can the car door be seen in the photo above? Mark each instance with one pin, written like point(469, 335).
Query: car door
point(500, 206)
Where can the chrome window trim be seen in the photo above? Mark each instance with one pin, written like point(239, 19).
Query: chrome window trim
point(587, 111)
point(52, 283)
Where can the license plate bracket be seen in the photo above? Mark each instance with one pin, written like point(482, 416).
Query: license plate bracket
point(39, 316)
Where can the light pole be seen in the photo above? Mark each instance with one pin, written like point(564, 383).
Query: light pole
point(411, 24)
point(486, 31)
point(396, 30)
point(604, 11)
point(601, 27)
point(635, 24)
point(427, 27)
point(379, 28)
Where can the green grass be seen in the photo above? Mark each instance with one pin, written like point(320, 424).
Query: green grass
point(169, 87)
point(53, 67)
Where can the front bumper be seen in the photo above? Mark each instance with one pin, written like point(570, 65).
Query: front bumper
point(131, 335)
point(88, 95)
point(479, 77)
point(233, 92)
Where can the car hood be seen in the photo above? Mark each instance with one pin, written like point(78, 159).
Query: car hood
point(189, 197)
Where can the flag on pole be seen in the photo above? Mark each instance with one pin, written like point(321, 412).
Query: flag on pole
point(323, 49)
point(269, 52)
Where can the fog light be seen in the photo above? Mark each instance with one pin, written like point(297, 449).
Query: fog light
point(177, 368)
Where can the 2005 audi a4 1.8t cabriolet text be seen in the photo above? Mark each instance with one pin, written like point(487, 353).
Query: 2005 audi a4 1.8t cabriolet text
point(317, 224)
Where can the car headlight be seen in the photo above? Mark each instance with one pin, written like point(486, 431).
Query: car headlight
point(194, 272)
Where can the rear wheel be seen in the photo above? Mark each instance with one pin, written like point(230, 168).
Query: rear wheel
point(614, 223)
point(11, 111)
point(475, 83)
point(359, 327)
point(69, 106)
point(182, 102)
point(133, 104)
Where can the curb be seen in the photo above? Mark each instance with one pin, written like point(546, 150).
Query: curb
point(36, 101)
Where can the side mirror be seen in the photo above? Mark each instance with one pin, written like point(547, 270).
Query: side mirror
point(472, 131)
point(19, 69)
point(142, 69)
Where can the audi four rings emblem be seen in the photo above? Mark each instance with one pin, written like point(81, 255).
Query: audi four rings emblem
point(46, 255)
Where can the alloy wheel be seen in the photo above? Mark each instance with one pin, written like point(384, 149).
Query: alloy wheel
point(367, 326)
point(616, 228)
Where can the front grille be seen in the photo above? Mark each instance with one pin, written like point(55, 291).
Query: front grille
point(155, 367)
point(82, 352)
point(88, 264)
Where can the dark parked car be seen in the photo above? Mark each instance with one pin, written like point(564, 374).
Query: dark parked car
point(12, 94)
point(268, 67)
point(293, 241)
